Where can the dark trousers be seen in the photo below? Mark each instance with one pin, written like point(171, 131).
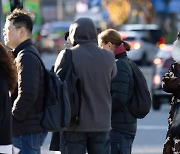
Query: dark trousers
point(121, 143)
point(82, 142)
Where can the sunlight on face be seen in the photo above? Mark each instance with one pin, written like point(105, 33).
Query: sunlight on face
point(11, 34)
point(101, 44)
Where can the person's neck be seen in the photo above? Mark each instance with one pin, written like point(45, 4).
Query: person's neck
point(22, 40)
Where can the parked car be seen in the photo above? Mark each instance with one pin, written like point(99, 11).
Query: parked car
point(52, 36)
point(161, 64)
point(154, 31)
point(142, 48)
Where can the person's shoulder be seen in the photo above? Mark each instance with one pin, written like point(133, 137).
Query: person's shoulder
point(61, 54)
point(175, 67)
point(123, 63)
point(26, 57)
point(176, 64)
point(25, 53)
point(108, 52)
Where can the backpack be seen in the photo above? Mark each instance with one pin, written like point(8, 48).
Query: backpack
point(140, 102)
point(56, 110)
point(68, 75)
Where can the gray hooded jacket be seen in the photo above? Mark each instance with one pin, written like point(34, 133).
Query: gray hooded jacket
point(95, 67)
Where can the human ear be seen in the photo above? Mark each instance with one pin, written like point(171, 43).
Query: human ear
point(109, 45)
point(21, 31)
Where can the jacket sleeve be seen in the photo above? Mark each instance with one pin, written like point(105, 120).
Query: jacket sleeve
point(171, 80)
point(120, 87)
point(1, 106)
point(28, 81)
point(62, 64)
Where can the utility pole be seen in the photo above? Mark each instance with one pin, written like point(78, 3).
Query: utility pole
point(60, 10)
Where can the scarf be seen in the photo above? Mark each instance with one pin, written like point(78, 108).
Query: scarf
point(120, 49)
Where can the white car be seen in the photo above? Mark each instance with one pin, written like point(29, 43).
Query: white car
point(143, 50)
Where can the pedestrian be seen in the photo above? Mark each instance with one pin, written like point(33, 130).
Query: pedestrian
point(95, 67)
point(171, 84)
point(123, 124)
point(8, 82)
point(28, 135)
point(57, 135)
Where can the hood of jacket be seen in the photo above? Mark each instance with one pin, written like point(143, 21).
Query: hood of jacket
point(82, 30)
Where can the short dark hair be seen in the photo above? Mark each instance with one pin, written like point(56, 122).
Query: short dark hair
point(21, 18)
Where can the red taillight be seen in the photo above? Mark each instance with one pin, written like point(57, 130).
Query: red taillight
point(157, 61)
point(161, 40)
point(135, 45)
point(157, 79)
point(123, 36)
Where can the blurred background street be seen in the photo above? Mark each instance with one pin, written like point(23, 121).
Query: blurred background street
point(150, 26)
point(53, 17)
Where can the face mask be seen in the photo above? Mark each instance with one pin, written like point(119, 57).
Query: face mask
point(176, 51)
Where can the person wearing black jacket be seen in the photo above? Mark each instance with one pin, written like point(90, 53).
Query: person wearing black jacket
point(123, 124)
point(171, 84)
point(28, 134)
point(8, 82)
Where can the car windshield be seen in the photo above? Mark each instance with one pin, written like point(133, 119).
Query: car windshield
point(153, 30)
point(59, 31)
point(56, 28)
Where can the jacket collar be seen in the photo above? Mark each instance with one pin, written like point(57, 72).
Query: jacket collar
point(121, 55)
point(22, 46)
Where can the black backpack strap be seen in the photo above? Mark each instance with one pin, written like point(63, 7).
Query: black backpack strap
point(130, 64)
point(69, 56)
point(33, 50)
point(71, 75)
point(69, 63)
point(65, 66)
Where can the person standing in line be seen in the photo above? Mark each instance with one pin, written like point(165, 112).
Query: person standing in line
point(95, 67)
point(123, 124)
point(171, 84)
point(28, 135)
point(57, 135)
point(8, 82)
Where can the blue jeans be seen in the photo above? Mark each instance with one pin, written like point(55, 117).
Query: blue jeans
point(80, 142)
point(29, 143)
point(121, 143)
